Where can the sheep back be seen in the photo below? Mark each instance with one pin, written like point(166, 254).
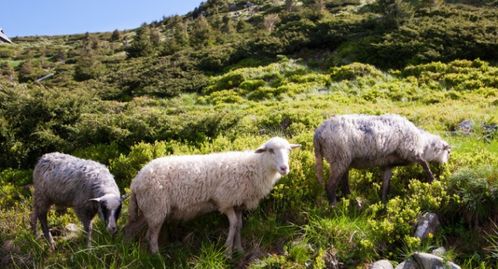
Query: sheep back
point(70, 181)
point(186, 186)
point(366, 141)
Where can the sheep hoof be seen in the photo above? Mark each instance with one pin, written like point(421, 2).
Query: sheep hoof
point(52, 246)
point(332, 201)
point(239, 250)
point(228, 253)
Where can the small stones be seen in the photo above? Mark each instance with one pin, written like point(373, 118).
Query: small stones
point(429, 261)
point(427, 224)
point(408, 264)
point(466, 127)
point(382, 264)
point(440, 251)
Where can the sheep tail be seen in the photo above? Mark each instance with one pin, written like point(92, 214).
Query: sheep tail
point(135, 219)
point(318, 159)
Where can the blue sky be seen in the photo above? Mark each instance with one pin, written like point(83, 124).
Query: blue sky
point(55, 17)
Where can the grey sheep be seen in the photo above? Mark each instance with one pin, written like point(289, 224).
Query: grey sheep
point(67, 181)
point(364, 141)
point(183, 187)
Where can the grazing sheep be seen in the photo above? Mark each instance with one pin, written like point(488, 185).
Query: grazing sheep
point(183, 187)
point(84, 185)
point(363, 141)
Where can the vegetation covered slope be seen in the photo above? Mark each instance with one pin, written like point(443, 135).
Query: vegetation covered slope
point(229, 75)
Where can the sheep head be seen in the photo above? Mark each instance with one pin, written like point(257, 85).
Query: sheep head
point(436, 149)
point(276, 151)
point(109, 207)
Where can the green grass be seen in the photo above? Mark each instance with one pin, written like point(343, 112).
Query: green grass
point(294, 227)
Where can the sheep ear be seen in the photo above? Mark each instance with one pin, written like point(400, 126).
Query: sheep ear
point(260, 150)
point(95, 200)
point(294, 146)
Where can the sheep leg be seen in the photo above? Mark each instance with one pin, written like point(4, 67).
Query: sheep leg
point(238, 241)
point(42, 216)
point(335, 176)
point(86, 219)
point(233, 220)
point(427, 169)
point(34, 218)
point(385, 183)
point(345, 184)
point(132, 228)
point(332, 187)
point(87, 225)
point(155, 220)
point(153, 236)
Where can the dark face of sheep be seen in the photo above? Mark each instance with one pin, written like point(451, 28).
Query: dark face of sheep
point(277, 151)
point(437, 150)
point(109, 208)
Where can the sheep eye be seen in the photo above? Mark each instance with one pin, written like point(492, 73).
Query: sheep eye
point(271, 151)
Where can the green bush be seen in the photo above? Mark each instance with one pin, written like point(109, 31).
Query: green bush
point(226, 82)
point(125, 167)
point(101, 152)
point(477, 189)
point(13, 186)
point(441, 34)
point(393, 225)
point(353, 71)
point(350, 237)
point(300, 188)
point(224, 97)
point(252, 84)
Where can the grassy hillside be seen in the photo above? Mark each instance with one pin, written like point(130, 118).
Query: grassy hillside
point(231, 74)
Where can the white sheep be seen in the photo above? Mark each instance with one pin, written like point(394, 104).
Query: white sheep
point(84, 185)
point(183, 187)
point(364, 141)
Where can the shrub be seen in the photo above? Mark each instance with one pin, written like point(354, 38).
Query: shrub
point(348, 236)
point(228, 81)
point(252, 84)
point(354, 71)
point(477, 189)
point(101, 152)
point(393, 226)
point(224, 97)
point(210, 257)
point(88, 67)
point(125, 167)
point(299, 189)
point(13, 186)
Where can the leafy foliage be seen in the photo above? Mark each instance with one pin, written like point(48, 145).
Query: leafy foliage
point(231, 74)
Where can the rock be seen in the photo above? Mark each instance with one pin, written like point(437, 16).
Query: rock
point(382, 264)
point(408, 264)
point(8, 250)
point(440, 251)
point(9, 247)
point(252, 255)
point(71, 228)
point(429, 261)
point(490, 128)
point(427, 224)
point(465, 127)
point(71, 231)
point(331, 260)
point(489, 131)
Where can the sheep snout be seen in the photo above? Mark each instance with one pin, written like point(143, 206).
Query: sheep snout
point(283, 170)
